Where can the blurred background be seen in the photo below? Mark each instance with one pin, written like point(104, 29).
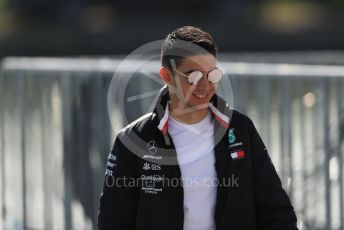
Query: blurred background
point(284, 59)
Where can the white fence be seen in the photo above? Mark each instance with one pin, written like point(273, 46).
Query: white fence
point(55, 134)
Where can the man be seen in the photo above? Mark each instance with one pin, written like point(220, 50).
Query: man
point(192, 137)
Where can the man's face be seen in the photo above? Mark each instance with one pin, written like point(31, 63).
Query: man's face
point(199, 95)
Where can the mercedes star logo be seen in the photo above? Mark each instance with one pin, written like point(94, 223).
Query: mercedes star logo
point(152, 147)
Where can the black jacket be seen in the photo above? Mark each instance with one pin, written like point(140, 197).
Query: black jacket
point(142, 188)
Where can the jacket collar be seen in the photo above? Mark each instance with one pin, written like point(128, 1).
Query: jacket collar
point(218, 107)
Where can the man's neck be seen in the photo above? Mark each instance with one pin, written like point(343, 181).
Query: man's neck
point(186, 114)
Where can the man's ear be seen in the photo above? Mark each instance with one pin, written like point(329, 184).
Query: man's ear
point(166, 75)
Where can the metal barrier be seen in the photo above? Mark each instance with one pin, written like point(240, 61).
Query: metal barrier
point(55, 135)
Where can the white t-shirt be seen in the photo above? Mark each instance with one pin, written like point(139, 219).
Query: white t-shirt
point(195, 152)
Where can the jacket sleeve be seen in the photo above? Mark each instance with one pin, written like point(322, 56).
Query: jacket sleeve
point(118, 202)
point(273, 207)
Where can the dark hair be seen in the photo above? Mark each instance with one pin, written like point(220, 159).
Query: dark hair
point(171, 49)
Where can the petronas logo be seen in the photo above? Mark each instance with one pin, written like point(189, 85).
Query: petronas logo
point(231, 136)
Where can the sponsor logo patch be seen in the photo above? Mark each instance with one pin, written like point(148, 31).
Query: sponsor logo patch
point(238, 155)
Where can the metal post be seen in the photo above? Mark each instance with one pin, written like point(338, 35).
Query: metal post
point(289, 129)
point(315, 151)
point(21, 92)
point(285, 133)
point(326, 127)
point(67, 115)
point(99, 138)
point(45, 125)
point(339, 96)
point(264, 109)
point(281, 105)
point(2, 150)
point(305, 184)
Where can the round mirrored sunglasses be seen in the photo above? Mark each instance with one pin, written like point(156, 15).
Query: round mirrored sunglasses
point(214, 76)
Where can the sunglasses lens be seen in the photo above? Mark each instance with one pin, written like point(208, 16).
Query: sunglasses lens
point(194, 77)
point(215, 75)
